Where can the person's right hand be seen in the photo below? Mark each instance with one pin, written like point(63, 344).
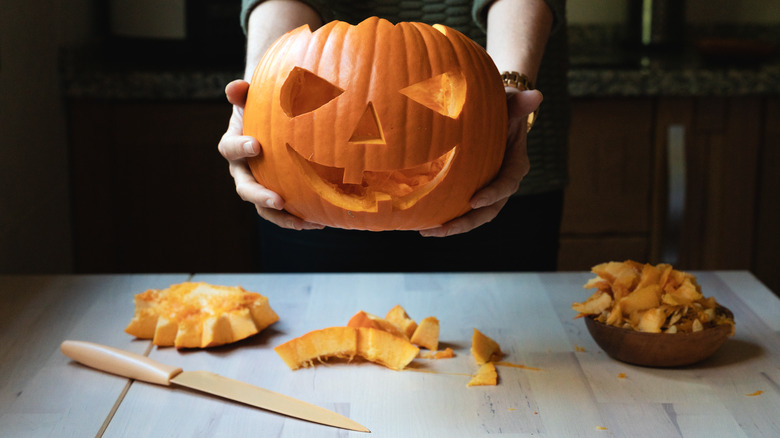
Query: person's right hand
point(236, 148)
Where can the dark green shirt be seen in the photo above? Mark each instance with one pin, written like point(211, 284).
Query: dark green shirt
point(548, 141)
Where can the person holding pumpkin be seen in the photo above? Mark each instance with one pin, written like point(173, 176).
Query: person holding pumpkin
point(525, 36)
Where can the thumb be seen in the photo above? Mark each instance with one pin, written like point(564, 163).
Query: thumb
point(522, 103)
point(236, 92)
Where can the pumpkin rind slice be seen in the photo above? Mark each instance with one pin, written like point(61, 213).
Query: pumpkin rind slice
point(484, 349)
point(427, 333)
point(372, 344)
point(199, 315)
point(319, 345)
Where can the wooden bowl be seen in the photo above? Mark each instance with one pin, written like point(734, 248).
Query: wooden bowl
point(658, 349)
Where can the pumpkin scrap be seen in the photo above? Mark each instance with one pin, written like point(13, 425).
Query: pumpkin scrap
point(199, 315)
point(447, 353)
point(486, 376)
point(650, 298)
point(427, 334)
point(484, 349)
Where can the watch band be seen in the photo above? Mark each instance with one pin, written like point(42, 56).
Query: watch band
point(521, 82)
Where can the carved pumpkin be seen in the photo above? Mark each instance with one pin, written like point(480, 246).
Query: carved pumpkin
point(376, 126)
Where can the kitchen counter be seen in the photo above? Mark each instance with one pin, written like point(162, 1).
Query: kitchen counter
point(568, 387)
point(600, 67)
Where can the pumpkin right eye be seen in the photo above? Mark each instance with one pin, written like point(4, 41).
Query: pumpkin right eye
point(444, 93)
point(304, 92)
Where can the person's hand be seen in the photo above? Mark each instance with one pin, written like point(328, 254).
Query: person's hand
point(236, 148)
point(487, 203)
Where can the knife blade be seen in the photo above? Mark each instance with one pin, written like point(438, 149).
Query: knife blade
point(136, 366)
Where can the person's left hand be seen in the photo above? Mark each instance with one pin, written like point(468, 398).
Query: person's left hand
point(487, 202)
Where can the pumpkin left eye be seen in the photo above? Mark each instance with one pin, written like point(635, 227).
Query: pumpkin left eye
point(304, 91)
point(444, 93)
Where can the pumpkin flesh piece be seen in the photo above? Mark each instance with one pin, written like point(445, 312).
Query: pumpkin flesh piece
point(398, 316)
point(486, 376)
point(368, 320)
point(427, 334)
point(642, 299)
point(384, 348)
point(484, 349)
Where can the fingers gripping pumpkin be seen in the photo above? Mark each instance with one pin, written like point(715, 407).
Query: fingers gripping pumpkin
point(376, 126)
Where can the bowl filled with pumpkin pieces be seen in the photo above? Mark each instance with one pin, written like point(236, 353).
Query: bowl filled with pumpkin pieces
point(653, 315)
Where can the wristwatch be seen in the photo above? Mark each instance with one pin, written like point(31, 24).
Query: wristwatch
point(522, 83)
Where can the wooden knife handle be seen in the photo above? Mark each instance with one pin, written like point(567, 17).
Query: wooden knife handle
point(120, 362)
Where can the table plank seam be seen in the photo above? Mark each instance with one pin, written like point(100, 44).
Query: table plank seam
point(120, 399)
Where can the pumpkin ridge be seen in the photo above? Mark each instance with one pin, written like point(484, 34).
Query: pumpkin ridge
point(419, 39)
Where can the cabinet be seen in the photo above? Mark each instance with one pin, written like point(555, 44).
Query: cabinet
point(608, 203)
point(766, 251)
point(690, 181)
point(150, 191)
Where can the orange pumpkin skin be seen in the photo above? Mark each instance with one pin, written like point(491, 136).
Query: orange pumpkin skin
point(376, 126)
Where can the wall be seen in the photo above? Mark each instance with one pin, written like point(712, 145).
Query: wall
point(34, 212)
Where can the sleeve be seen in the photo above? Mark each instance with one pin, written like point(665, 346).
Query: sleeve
point(321, 6)
point(558, 7)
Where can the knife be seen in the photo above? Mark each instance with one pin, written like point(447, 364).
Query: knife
point(136, 366)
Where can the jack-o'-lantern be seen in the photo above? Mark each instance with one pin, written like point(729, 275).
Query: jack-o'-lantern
point(376, 126)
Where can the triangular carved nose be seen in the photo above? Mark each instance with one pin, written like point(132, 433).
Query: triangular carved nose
point(368, 129)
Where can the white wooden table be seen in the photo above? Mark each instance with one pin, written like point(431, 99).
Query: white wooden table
point(577, 391)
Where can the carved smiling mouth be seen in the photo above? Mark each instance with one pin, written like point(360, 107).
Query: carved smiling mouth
point(378, 190)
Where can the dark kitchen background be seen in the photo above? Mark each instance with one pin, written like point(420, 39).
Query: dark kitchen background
point(110, 113)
